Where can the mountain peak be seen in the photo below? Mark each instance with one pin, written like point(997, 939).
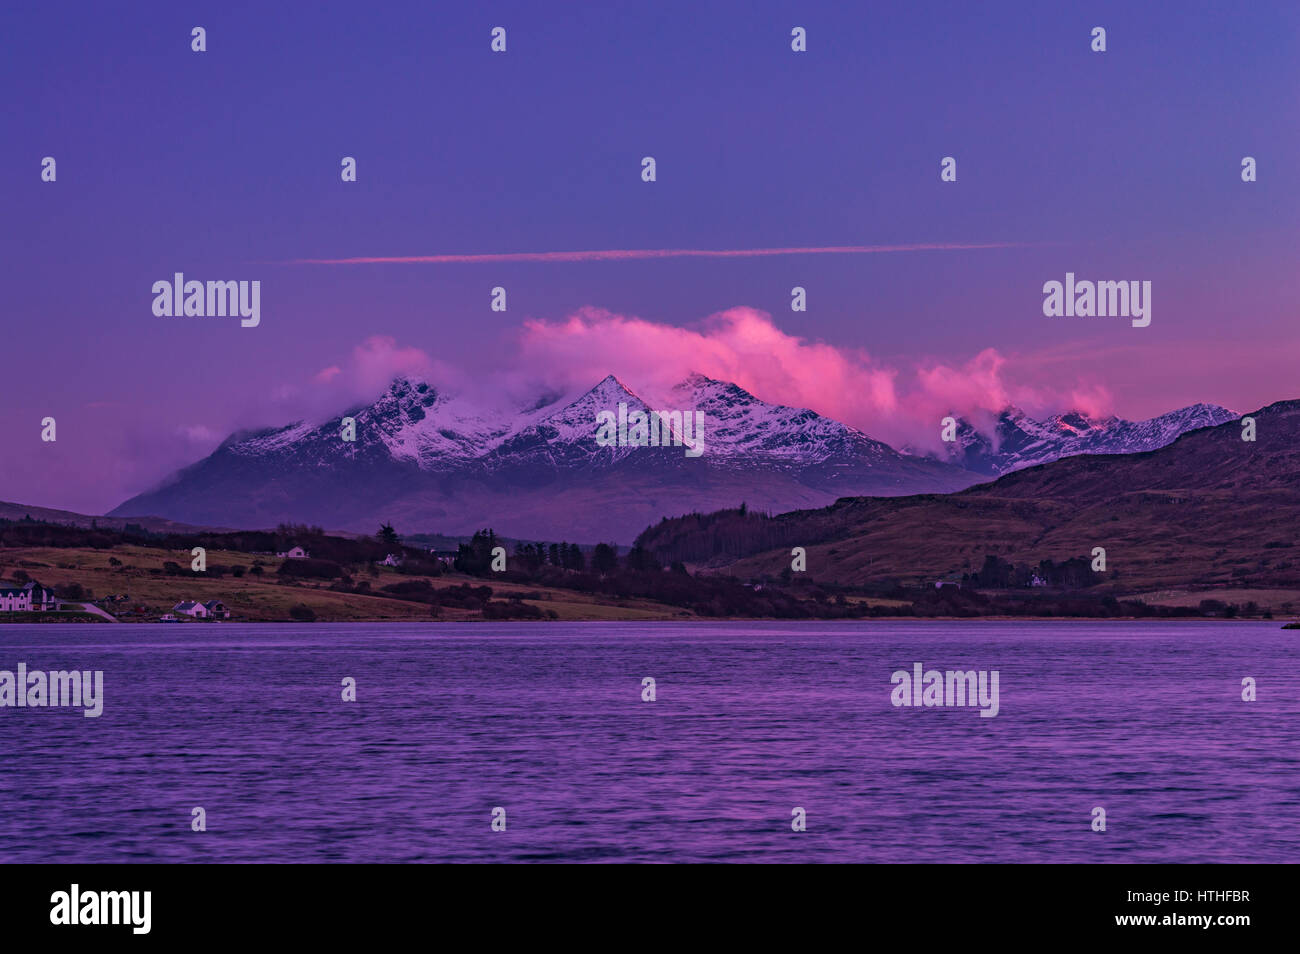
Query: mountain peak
point(700, 388)
point(609, 388)
point(404, 383)
point(1017, 440)
point(695, 380)
point(1203, 408)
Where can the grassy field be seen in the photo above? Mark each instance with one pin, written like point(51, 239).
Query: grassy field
point(1281, 602)
point(266, 598)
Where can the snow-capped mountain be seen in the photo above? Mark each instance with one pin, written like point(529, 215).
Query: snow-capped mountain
point(740, 426)
point(429, 461)
point(1015, 440)
point(412, 421)
point(561, 436)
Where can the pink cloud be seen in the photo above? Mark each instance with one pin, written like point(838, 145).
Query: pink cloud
point(901, 405)
point(379, 359)
point(976, 386)
point(741, 345)
point(1094, 399)
point(362, 376)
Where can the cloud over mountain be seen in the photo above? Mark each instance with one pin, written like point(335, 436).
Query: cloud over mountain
point(896, 403)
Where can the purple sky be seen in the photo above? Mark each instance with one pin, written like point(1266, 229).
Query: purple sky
point(225, 165)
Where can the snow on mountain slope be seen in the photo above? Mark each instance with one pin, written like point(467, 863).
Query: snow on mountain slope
point(738, 425)
point(411, 421)
point(563, 435)
point(1019, 441)
point(437, 462)
point(417, 423)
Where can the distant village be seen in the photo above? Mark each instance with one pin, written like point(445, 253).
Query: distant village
point(32, 597)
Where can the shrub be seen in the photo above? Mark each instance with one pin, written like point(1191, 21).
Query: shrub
point(417, 567)
point(418, 589)
point(463, 596)
point(512, 609)
point(309, 569)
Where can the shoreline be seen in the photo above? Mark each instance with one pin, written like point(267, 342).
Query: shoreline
point(1282, 624)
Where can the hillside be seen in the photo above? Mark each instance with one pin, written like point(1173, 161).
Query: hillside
point(17, 511)
point(139, 573)
point(1208, 510)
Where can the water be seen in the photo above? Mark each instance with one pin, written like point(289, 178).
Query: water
point(751, 720)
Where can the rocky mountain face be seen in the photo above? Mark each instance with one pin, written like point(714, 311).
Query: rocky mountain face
point(1016, 440)
point(428, 461)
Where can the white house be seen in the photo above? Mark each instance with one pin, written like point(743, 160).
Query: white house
point(191, 608)
point(15, 599)
point(29, 597)
point(297, 553)
point(393, 559)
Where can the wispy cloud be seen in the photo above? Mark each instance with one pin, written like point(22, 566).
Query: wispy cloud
point(635, 254)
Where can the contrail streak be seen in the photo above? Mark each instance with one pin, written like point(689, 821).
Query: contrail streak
point(633, 254)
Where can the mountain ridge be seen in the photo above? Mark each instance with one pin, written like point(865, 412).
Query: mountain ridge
point(1018, 440)
point(1208, 509)
point(430, 461)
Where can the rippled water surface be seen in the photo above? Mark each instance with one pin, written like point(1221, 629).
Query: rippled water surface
point(751, 720)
